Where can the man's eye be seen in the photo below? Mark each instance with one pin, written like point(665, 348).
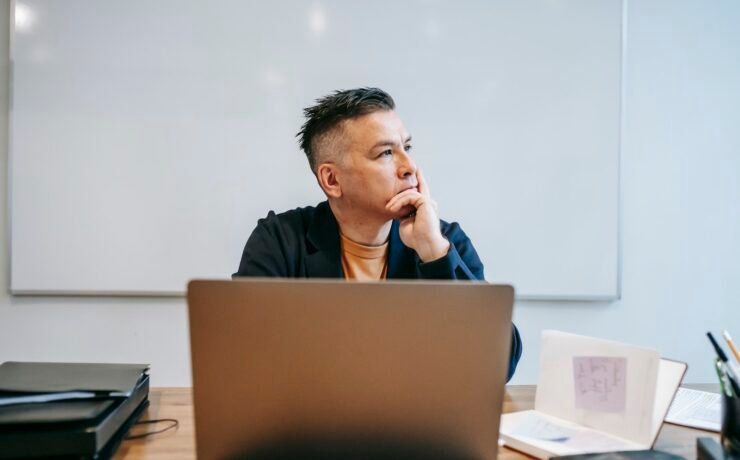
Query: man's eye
point(408, 147)
point(385, 153)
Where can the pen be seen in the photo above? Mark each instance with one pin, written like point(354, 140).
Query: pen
point(728, 371)
point(720, 353)
point(732, 346)
point(734, 367)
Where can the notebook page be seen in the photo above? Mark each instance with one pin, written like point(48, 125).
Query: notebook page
point(600, 384)
point(558, 437)
point(696, 409)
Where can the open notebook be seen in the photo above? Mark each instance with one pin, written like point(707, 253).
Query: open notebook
point(593, 395)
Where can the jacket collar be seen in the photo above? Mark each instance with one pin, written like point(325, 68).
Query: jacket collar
point(324, 258)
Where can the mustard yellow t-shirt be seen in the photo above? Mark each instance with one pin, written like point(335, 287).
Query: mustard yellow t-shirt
point(364, 263)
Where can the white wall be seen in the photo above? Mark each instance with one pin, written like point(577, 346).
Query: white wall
point(681, 219)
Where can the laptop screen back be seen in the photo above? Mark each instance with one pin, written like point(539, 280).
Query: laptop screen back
point(280, 361)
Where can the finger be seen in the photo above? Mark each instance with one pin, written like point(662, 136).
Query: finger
point(408, 197)
point(423, 186)
point(417, 204)
point(408, 219)
point(401, 195)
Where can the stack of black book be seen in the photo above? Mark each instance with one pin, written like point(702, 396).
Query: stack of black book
point(68, 410)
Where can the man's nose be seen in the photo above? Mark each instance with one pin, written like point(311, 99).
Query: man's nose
point(406, 165)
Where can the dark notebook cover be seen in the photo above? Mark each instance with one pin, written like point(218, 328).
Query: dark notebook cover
point(625, 455)
point(30, 377)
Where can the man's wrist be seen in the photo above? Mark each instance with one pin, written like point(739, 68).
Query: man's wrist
point(435, 250)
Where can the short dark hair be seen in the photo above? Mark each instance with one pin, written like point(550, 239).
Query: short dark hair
point(333, 109)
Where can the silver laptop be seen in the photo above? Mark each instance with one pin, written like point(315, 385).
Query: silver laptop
point(392, 367)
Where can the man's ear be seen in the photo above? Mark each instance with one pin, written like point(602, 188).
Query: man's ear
point(326, 173)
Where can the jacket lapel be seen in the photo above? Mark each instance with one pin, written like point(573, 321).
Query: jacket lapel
point(324, 253)
point(323, 258)
point(401, 259)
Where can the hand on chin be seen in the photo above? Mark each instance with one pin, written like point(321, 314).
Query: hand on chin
point(404, 212)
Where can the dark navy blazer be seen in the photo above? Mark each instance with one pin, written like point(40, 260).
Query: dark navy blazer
point(305, 243)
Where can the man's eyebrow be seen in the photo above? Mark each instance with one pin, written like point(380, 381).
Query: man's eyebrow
point(387, 142)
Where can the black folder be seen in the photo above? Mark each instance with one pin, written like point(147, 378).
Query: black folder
point(38, 379)
point(76, 428)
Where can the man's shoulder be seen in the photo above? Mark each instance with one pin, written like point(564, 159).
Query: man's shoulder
point(297, 219)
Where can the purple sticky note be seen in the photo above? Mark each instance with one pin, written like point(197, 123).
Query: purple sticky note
point(600, 383)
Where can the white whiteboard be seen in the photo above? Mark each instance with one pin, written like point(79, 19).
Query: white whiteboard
point(148, 137)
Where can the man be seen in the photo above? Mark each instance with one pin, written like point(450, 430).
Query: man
point(379, 221)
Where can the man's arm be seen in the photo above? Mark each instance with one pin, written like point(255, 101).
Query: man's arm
point(516, 351)
point(462, 263)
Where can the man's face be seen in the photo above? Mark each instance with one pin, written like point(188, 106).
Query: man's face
point(375, 164)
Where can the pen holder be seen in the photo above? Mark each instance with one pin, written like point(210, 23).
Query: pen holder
point(730, 432)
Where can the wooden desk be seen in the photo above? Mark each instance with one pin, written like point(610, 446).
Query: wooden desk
point(179, 445)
